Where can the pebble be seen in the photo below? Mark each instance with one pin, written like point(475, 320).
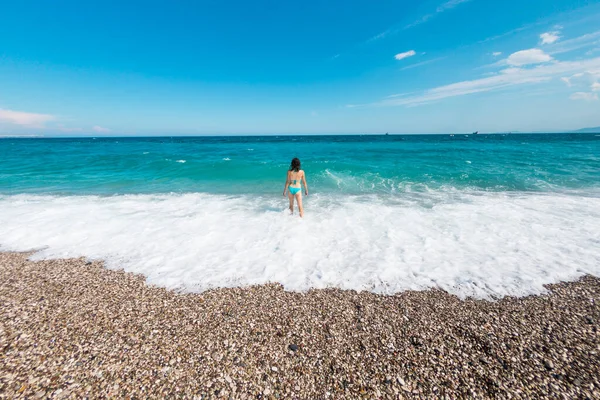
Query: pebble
point(73, 329)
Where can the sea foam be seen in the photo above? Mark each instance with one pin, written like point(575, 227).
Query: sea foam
point(472, 244)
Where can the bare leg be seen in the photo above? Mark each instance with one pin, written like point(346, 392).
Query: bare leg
point(291, 197)
point(299, 201)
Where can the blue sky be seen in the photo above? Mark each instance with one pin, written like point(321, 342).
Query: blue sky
point(276, 67)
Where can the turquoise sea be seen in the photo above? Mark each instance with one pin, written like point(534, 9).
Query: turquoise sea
point(385, 165)
point(482, 215)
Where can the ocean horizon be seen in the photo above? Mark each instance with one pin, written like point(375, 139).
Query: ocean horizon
point(301, 134)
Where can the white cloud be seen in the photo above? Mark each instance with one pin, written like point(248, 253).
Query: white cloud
point(31, 120)
point(379, 36)
point(406, 54)
point(421, 20)
point(509, 33)
point(497, 53)
point(526, 57)
point(580, 42)
point(511, 70)
point(596, 86)
point(582, 78)
point(584, 96)
point(100, 129)
point(440, 9)
point(592, 51)
point(509, 77)
point(420, 64)
point(449, 4)
point(550, 37)
point(397, 28)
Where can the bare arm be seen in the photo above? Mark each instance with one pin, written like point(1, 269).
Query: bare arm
point(287, 179)
point(305, 185)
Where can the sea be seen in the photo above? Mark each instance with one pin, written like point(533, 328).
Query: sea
point(482, 215)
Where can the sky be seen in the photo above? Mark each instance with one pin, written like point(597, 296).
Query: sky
point(78, 68)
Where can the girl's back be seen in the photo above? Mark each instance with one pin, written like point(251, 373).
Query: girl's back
point(296, 178)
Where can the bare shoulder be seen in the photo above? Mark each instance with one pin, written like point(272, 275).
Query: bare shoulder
point(302, 172)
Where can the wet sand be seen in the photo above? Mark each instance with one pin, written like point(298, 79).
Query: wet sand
point(71, 328)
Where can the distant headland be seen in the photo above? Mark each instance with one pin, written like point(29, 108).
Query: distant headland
point(589, 130)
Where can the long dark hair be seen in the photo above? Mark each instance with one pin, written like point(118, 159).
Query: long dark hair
point(295, 165)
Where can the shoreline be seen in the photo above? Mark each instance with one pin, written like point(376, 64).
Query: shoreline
point(72, 328)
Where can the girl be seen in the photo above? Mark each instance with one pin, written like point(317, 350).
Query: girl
point(295, 176)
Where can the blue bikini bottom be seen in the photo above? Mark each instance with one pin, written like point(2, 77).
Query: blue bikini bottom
point(294, 191)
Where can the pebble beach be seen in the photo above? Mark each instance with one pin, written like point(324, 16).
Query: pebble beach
point(71, 328)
